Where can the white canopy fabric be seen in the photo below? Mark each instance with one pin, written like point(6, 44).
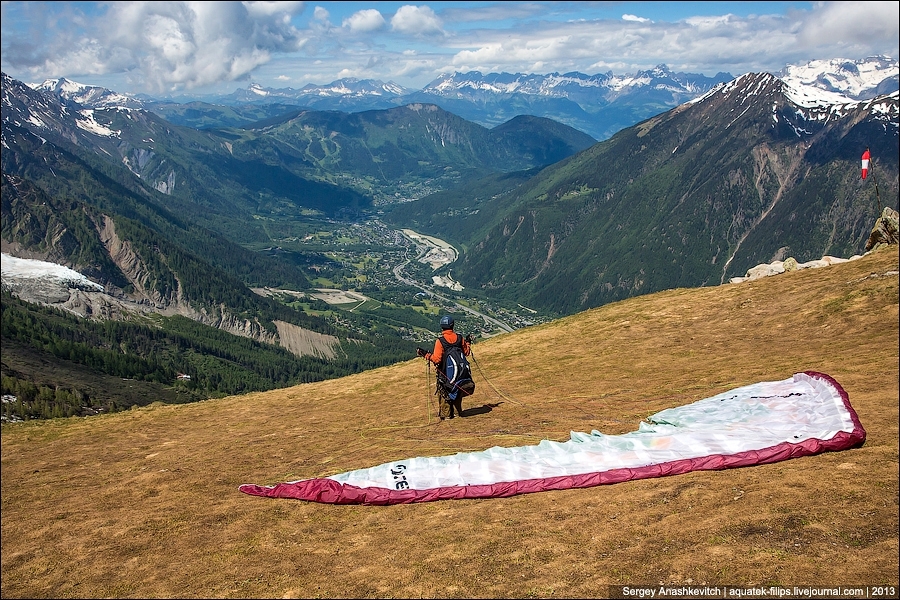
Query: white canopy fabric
point(759, 423)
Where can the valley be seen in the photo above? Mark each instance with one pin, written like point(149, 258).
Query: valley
point(367, 267)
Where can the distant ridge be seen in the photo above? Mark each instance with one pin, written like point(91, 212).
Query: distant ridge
point(599, 104)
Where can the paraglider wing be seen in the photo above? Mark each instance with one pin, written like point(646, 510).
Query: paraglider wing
point(761, 423)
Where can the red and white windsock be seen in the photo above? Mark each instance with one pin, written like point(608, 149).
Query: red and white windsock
point(865, 163)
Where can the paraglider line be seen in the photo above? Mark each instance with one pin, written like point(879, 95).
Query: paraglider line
point(490, 383)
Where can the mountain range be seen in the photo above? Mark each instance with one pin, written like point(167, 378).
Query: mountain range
point(188, 220)
point(751, 172)
point(599, 105)
point(186, 223)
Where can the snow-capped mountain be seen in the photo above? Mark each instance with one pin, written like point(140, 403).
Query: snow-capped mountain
point(574, 86)
point(599, 105)
point(25, 106)
point(803, 110)
point(461, 85)
point(347, 89)
point(87, 95)
point(355, 87)
point(844, 79)
point(812, 99)
point(839, 79)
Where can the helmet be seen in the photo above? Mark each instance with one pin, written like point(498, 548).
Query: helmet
point(446, 322)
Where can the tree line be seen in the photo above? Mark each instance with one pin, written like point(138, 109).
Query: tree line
point(217, 362)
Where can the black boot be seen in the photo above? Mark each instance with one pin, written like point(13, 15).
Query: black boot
point(457, 404)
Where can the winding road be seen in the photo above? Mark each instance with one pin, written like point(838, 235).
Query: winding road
point(423, 244)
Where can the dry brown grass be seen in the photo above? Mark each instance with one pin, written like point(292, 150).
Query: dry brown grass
point(146, 503)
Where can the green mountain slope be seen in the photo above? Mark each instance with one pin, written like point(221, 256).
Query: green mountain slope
point(391, 152)
point(203, 115)
point(45, 347)
point(231, 343)
point(691, 197)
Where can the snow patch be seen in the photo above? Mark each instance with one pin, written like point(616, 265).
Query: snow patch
point(89, 124)
point(15, 268)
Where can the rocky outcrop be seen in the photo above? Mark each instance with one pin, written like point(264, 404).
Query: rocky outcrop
point(98, 305)
point(885, 232)
point(790, 264)
point(224, 320)
point(131, 265)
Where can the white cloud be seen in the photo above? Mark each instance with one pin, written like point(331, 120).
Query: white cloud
point(266, 9)
point(170, 45)
point(706, 44)
point(710, 23)
point(321, 14)
point(365, 20)
point(419, 20)
point(176, 45)
point(851, 22)
point(415, 67)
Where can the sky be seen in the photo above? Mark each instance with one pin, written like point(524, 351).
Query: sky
point(170, 48)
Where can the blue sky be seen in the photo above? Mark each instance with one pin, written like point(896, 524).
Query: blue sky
point(206, 47)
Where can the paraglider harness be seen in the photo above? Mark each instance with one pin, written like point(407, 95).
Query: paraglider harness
point(454, 375)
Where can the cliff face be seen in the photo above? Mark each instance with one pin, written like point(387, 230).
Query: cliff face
point(147, 298)
point(131, 265)
point(140, 295)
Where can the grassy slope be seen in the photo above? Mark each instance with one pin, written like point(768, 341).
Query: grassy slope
point(145, 503)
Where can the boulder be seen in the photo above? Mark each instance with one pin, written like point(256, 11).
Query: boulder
point(885, 232)
point(790, 264)
point(764, 270)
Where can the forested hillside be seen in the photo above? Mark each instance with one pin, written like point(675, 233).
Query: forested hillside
point(158, 351)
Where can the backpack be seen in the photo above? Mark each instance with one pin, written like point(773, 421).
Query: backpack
point(455, 373)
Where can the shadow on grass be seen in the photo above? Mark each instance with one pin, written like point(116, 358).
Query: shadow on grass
point(481, 410)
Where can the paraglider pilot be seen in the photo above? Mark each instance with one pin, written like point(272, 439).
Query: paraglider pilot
point(454, 377)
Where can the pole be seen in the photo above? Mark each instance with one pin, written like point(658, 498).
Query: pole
point(875, 181)
point(868, 164)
